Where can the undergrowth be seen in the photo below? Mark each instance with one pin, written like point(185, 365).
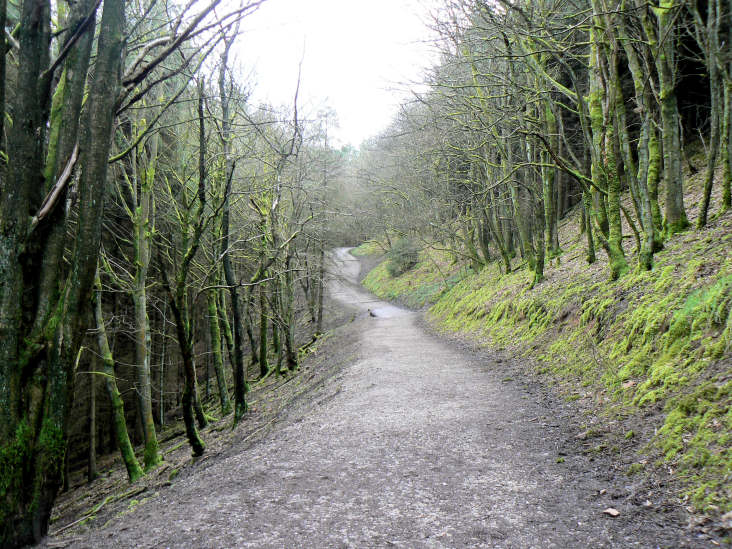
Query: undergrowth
point(372, 247)
point(429, 278)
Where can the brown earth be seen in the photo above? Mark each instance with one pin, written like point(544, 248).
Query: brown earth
point(397, 439)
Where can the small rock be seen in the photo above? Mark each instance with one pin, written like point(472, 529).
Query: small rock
point(726, 521)
point(611, 512)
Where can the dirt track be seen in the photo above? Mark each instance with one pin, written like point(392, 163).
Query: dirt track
point(416, 444)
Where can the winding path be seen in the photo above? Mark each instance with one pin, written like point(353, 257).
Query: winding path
point(421, 446)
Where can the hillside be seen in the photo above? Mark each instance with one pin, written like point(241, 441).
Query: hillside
point(648, 358)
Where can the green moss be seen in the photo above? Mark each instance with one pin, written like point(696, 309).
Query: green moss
point(696, 435)
point(372, 247)
point(634, 469)
point(423, 284)
point(151, 455)
point(14, 457)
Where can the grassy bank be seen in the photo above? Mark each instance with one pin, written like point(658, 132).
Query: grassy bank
point(655, 346)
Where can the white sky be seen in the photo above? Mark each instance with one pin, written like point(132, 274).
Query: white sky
point(357, 56)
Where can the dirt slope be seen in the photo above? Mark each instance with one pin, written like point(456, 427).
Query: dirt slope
point(417, 443)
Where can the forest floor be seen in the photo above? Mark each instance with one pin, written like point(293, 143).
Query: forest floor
point(396, 438)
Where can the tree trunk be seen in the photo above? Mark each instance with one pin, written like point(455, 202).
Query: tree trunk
point(263, 342)
point(216, 352)
point(92, 472)
point(587, 209)
point(676, 220)
point(33, 435)
point(290, 349)
point(118, 408)
point(163, 358)
point(277, 314)
point(240, 375)
point(549, 187)
point(142, 230)
point(711, 47)
point(185, 341)
point(321, 290)
point(726, 150)
point(249, 301)
point(228, 336)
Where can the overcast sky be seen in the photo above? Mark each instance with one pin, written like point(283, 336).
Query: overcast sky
point(358, 55)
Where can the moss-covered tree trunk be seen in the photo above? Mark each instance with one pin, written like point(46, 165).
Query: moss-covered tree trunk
point(709, 40)
point(597, 124)
point(587, 209)
point(321, 262)
point(540, 244)
point(178, 291)
point(549, 186)
point(726, 150)
point(491, 222)
point(216, 351)
point(225, 325)
point(607, 163)
point(289, 311)
point(91, 470)
point(320, 288)
point(118, 408)
point(41, 342)
point(263, 339)
point(277, 315)
point(238, 365)
point(665, 59)
point(614, 158)
point(142, 233)
point(520, 207)
point(185, 342)
point(249, 307)
point(645, 178)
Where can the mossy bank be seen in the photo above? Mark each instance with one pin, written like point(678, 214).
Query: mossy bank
point(654, 344)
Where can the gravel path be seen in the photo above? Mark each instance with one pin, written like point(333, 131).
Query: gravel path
point(417, 444)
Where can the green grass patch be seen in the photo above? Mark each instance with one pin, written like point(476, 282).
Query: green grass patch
point(422, 284)
point(372, 247)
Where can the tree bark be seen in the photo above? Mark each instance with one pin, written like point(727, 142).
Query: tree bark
point(263, 340)
point(33, 436)
point(216, 352)
point(675, 220)
point(289, 295)
point(708, 38)
point(92, 472)
point(240, 375)
point(142, 229)
point(118, 408)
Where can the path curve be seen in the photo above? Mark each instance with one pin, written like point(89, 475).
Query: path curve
point(422, 446)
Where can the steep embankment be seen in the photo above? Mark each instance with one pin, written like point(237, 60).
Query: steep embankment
point(649, 356)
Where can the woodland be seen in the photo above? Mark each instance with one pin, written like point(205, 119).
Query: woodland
point(154, 227)
point(163, 240)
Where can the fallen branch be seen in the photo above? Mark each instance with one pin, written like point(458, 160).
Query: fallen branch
point(94, 510)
